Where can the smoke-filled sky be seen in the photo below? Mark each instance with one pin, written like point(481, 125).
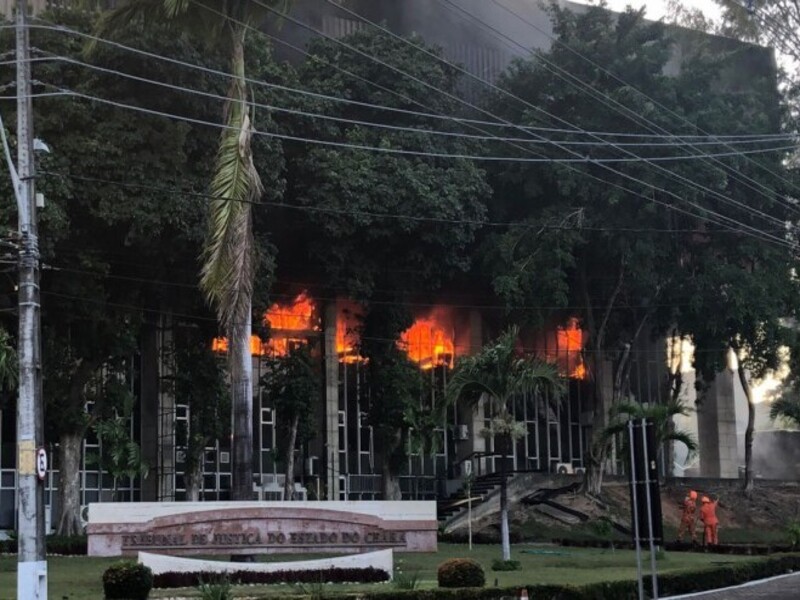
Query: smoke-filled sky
point(658, 8)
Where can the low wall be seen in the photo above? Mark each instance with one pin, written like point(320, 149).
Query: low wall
point(160, 563)
point(204, 528)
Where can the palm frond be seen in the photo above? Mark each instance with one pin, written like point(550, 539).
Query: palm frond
point(229, 255)
point(123, 15)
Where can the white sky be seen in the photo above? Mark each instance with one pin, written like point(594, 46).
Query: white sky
point(657, 8)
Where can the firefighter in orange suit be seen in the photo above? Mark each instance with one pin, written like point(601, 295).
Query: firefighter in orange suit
point(689, 517)
point(708, 515)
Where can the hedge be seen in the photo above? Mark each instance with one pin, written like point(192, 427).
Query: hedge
point(737, 549)
point(668, 584)
point(333, 575)
point(65, 545)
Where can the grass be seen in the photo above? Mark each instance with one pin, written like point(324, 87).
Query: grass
point(78, 578)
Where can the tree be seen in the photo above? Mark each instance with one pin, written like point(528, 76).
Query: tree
point(754, 292)
point(199, 382)
point(347, 233)
point(662, 416)
point(497, 374)
point(229, 254)
point(120, 455)
point(585, 242)
point(773, 23)
point(292, 385)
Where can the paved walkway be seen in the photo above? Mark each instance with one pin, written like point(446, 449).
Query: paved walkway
point(779, 588)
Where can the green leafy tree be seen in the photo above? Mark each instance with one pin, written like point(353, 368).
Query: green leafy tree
point(773, 23)
point(585, 242)
point(346, 234)
point(120, 455)
point(229, 254)
point(498, 374)
point(108, 248)
point(199, 383)
point(292, 385)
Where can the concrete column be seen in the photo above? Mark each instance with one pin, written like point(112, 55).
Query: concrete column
point(716, 423)
point(331, 361)
point(148, 403)
point(166, 418)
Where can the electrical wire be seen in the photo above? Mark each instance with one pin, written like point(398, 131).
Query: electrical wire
point(571, 79)
point(641, 93)
point(474, 107)
point(753, 231)
point(378, 149)
point(378, 215)
point(417, 130)
point(733, 138)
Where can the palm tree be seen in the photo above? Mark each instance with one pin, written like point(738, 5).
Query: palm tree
point(228, 255)
point(662, 417)
point(498, 373)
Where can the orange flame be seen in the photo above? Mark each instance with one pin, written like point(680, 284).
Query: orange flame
point(570, 343)
point(429, 342)
point(347, 321)
point(288, 323)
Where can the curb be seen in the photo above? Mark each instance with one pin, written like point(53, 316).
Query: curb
point(733, 587)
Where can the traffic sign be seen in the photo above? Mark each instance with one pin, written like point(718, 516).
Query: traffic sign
point(41, 464)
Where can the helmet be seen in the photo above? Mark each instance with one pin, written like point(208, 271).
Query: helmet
point(705, 500)
point(692, 494)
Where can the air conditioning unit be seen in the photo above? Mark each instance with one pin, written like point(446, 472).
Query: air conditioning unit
point(312, 466)
point(579, 471)
point(564, 468)
point(224, 458)
point(462, 433)
point(180, 456)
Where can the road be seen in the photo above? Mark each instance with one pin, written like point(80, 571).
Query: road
point(782, 588)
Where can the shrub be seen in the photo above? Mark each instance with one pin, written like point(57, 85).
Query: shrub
point(216, 590)
point(505, 565)
point(66, 545)
point(461, 573)
point(793, 531)
point(127, 580)
point(406, 581)
point(334, 575)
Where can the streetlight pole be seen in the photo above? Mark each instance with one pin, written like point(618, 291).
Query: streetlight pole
point(31, 566)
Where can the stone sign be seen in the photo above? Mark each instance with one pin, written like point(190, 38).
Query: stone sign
point(203, 528)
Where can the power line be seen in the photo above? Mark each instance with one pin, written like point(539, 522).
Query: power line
point(643, 94)
point(417, 130)
point(568, 77)
point(378, 215)
point(754, 231)
point(380, 149)
point(199, 317)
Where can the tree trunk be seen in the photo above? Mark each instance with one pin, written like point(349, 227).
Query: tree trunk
point(749, 477)
point(390, 483)
point(288, 486)
point(194, 477)
point(240, 362)
point(505, 536)
point(69, 488)
point(241, 372)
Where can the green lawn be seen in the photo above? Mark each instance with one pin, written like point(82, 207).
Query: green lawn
point(78, 578)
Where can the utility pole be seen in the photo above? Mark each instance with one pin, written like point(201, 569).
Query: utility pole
point(31, 565)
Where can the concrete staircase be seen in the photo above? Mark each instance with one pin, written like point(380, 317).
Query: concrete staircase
point(480, 490)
